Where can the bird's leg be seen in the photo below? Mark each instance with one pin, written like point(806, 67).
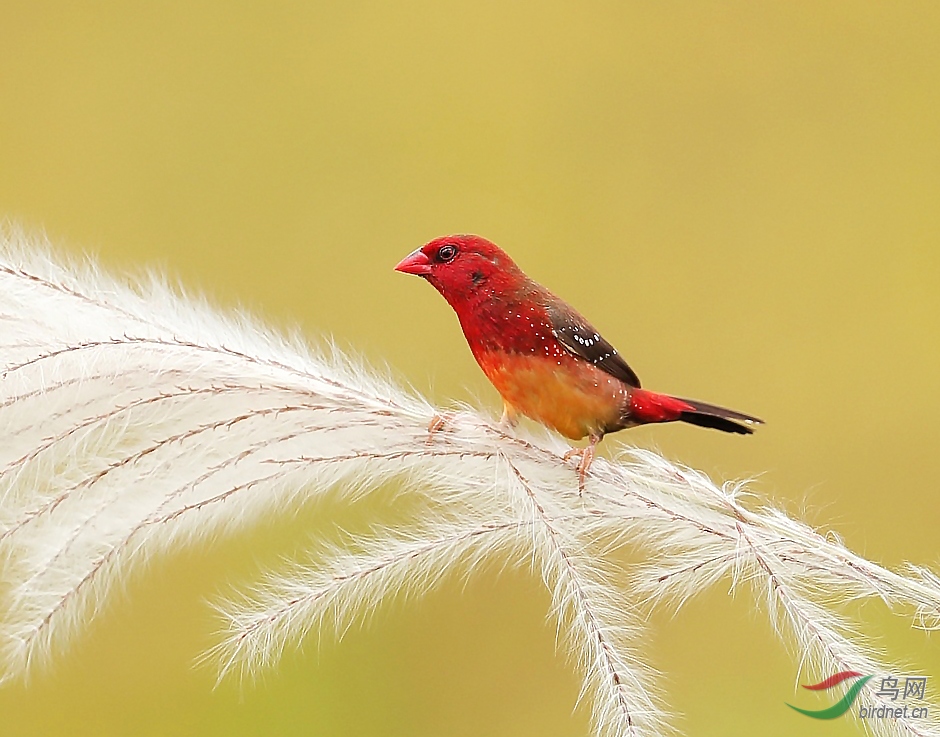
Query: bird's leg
point(509, 419)
point(587, 458)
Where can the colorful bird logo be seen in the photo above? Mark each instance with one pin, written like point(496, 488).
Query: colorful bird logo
point(842, 705)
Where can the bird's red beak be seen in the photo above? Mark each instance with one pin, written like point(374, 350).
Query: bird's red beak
point(415, 262)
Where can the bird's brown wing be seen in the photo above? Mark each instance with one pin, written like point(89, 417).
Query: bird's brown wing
point(579, 337)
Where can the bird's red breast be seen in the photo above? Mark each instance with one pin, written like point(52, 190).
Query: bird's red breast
point(573, 399)
point(512, 331)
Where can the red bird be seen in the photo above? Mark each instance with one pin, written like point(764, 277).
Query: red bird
point(546, 361)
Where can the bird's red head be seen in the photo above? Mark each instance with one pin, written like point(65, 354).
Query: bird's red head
point(464, 268)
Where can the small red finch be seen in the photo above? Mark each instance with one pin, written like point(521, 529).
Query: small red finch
point(546, 361)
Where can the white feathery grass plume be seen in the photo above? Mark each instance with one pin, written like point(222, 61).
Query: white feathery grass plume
point(352, 585)
point(134, 420)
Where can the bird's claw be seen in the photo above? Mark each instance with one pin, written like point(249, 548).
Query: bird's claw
point(584, 464)
point(437, 423)
point(587, 458)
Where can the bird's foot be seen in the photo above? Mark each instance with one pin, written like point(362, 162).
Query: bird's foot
point(586, 458)
point(586, 455)
point(437, 423)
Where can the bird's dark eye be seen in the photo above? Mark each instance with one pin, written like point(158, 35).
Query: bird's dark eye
point(447, 253)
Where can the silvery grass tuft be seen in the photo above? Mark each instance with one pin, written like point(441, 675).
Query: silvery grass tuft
point(135, 420)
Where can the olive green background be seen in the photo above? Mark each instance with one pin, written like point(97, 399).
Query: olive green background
point(744, 197)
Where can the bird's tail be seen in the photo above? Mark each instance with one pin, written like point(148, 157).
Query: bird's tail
point(646, 406)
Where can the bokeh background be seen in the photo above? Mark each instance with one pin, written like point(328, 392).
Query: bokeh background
point(744, 197)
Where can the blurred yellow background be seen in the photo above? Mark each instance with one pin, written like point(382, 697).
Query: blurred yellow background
point(744, 197)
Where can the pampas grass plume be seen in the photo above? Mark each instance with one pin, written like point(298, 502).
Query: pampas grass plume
point(135, 421)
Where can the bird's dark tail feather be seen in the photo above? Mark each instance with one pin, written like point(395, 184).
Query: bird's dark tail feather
point(720, 418)
point(647, 406)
